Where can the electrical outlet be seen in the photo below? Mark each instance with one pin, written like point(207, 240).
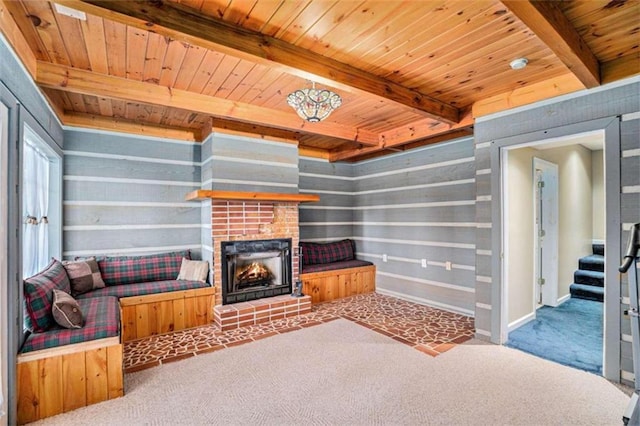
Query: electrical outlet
point(447, 265)
point(385, 258)
point(423, 263)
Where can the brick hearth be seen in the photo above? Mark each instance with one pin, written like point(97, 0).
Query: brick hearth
point(229, 317)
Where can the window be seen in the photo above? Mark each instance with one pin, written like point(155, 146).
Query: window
point(40, 198)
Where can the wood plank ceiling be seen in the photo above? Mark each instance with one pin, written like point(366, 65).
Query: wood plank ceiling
point(409, 72)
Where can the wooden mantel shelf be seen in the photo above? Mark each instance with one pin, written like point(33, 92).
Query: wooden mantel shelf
point(203, 194)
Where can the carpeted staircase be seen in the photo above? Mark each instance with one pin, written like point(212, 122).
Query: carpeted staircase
point(589, 278)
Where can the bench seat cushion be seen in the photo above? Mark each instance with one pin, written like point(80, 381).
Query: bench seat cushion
point(118, 270)
point(307, 269)
point(102, 320)
point(141, 289)
point(321, 253)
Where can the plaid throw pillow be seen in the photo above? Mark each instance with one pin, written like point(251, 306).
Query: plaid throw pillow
point(337, 251)
point(84, 275)
point(38, 295)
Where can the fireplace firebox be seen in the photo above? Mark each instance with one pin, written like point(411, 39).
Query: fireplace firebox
point(255, 269)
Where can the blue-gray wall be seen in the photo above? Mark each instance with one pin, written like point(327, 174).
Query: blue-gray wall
point(332, 217)
point(410, 206)
point(612, 110)
point(126, 194)
point(415, 207)
point(14, 76)
point(239, 163)
point(629, 214)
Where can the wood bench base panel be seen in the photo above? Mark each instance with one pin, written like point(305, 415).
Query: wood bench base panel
point(57, 380)
point(330, 285)
point(143, 316)
point(60, 381)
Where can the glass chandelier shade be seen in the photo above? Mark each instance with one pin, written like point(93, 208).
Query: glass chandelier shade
point(313, 104)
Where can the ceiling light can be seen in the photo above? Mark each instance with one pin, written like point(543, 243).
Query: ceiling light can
point(518, 64)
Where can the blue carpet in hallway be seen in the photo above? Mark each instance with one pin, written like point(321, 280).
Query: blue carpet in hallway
point(570, 334)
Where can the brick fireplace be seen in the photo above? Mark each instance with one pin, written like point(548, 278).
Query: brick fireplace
point(249, 221)
point(251, 216)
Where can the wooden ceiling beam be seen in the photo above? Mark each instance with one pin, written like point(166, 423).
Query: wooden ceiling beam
point(551, 26)
point(350, 154)
point(91, 121)
point(402, 136)
point(529, 94)
point(182, 23)
point(420, 130)
point(75, 80)
point(456, 134)
point(253, 130)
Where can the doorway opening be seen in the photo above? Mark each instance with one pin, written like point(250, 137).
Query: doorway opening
point(554, 226)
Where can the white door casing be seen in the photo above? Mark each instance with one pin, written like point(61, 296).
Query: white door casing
point(545, 193)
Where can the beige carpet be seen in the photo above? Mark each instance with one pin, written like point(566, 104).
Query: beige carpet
point(340, 373)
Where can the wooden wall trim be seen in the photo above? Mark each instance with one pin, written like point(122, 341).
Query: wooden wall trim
point(203, 194)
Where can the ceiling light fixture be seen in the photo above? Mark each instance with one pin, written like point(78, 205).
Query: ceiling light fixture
point(313, 104)
point(518, 64)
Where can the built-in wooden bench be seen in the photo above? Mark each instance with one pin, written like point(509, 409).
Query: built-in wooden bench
point(59, 379)
point(337, 283)
point(56, 380)
point(61, 369)
point(143, 316)
point(331, 271)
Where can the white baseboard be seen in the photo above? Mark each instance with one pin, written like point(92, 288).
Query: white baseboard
point(426, 302)
point(626, 375)
point(531, 316)
point(597, 242)
point(522, 321)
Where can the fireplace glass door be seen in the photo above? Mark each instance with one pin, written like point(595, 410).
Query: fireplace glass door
point(255, 269)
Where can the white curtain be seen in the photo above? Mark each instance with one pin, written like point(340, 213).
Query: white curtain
point(43, 206)
point(35, 203)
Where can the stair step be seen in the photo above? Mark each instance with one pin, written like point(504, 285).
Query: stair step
point(598, 249)
point(582, 276)
point(589, 292)
point(594, 262)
